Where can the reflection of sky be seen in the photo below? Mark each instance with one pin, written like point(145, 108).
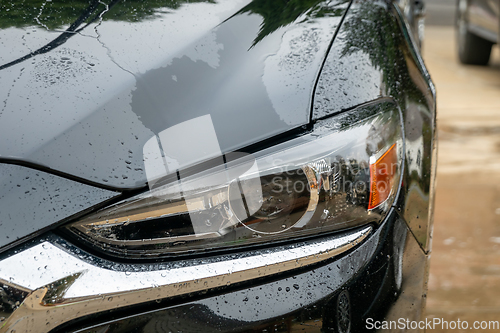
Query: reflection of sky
point(150, 44)
point(20, 42)
point(342, 87)
point(165, 35)
point(34, 101)
point(89, 106)
point(288, 72)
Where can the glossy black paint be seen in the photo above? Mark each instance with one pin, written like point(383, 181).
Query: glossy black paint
point(123, 84)
point(81, 102)
point(32, 200)
point(305, 301)
point(102, 141)
point(85, 101)
point(373, 56)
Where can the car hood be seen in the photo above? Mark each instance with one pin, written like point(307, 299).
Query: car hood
point(85, 88)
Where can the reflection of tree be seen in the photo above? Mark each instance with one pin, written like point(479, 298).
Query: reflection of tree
point(280, 13)
point(56, 14)
point(77, 14)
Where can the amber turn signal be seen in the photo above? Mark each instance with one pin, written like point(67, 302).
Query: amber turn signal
point(382, 177)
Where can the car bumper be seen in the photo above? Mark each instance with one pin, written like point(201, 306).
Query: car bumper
point(381, 273)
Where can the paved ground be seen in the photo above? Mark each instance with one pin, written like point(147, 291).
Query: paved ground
point(465, 265)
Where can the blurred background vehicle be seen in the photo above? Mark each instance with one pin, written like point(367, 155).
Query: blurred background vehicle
point(478, 27)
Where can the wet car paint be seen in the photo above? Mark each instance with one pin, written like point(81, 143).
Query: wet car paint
point(401, 76)
point(87, 105)
point(32, 200)
point(370, 59)
point(84, 107)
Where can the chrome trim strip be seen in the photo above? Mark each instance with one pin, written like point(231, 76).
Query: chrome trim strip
point(65, 287)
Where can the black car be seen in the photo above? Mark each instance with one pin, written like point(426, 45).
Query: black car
point(214, 166)
point(478, 29)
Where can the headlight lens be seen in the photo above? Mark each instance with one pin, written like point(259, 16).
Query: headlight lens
point(343, 173)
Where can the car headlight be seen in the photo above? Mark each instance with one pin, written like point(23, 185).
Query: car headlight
point(342, 173)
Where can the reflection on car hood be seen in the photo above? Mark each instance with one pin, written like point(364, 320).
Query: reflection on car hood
point(85, 88)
